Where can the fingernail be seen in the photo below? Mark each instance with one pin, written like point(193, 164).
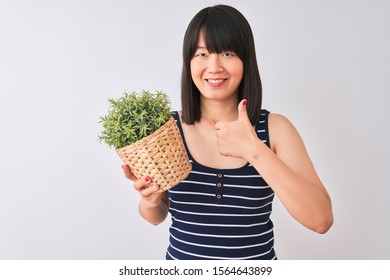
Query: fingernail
point(147, 179)
point(244, 102)
point(154, 187)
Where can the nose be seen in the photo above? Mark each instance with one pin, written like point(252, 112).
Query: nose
point(214, 64)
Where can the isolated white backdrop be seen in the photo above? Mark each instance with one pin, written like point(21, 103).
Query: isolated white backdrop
point(324, 64)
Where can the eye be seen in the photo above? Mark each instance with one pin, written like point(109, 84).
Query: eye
point(201, 55)
point(228, 54)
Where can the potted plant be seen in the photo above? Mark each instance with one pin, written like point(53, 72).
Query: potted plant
point(146, 137)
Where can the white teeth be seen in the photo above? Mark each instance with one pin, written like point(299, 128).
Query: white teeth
point(215, 81)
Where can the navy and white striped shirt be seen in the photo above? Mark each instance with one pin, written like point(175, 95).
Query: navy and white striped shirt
point(222, 213)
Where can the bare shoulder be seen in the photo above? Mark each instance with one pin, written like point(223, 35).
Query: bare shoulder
point(278, 121)
point(282, 132)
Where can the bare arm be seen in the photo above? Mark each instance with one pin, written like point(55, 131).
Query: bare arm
point(286, 167)
point(153, 207)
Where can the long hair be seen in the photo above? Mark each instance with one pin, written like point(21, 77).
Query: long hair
point(224, 29)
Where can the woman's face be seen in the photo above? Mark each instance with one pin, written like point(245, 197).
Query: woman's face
point(217, 76)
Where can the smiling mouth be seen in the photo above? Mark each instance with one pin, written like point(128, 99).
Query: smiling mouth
point(215, 81)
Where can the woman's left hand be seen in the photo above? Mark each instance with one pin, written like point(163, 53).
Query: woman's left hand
point(236, 139)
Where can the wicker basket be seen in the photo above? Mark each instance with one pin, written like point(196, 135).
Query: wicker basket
point(161, 156)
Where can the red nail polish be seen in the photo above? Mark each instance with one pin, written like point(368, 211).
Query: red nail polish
point(147, 179)
point(244, 102)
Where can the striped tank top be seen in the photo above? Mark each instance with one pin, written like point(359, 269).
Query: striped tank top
point(222, 213)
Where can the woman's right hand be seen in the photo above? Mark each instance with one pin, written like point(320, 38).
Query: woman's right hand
point(147, 192)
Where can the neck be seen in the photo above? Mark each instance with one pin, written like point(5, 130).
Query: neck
point(216, 111)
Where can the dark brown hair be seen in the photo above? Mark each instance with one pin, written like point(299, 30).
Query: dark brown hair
point(224, 29)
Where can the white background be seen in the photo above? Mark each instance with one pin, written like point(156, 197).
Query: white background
point(324, 64)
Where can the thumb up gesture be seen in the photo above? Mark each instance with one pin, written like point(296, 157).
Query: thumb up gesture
point(237, 138)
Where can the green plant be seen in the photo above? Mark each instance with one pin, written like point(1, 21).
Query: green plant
point(134, 116)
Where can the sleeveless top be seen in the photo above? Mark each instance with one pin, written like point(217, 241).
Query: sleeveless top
point(222, 213)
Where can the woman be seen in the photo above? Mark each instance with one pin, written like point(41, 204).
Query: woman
point(241, 154)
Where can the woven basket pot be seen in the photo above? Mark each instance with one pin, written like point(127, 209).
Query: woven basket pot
point(161, 156)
